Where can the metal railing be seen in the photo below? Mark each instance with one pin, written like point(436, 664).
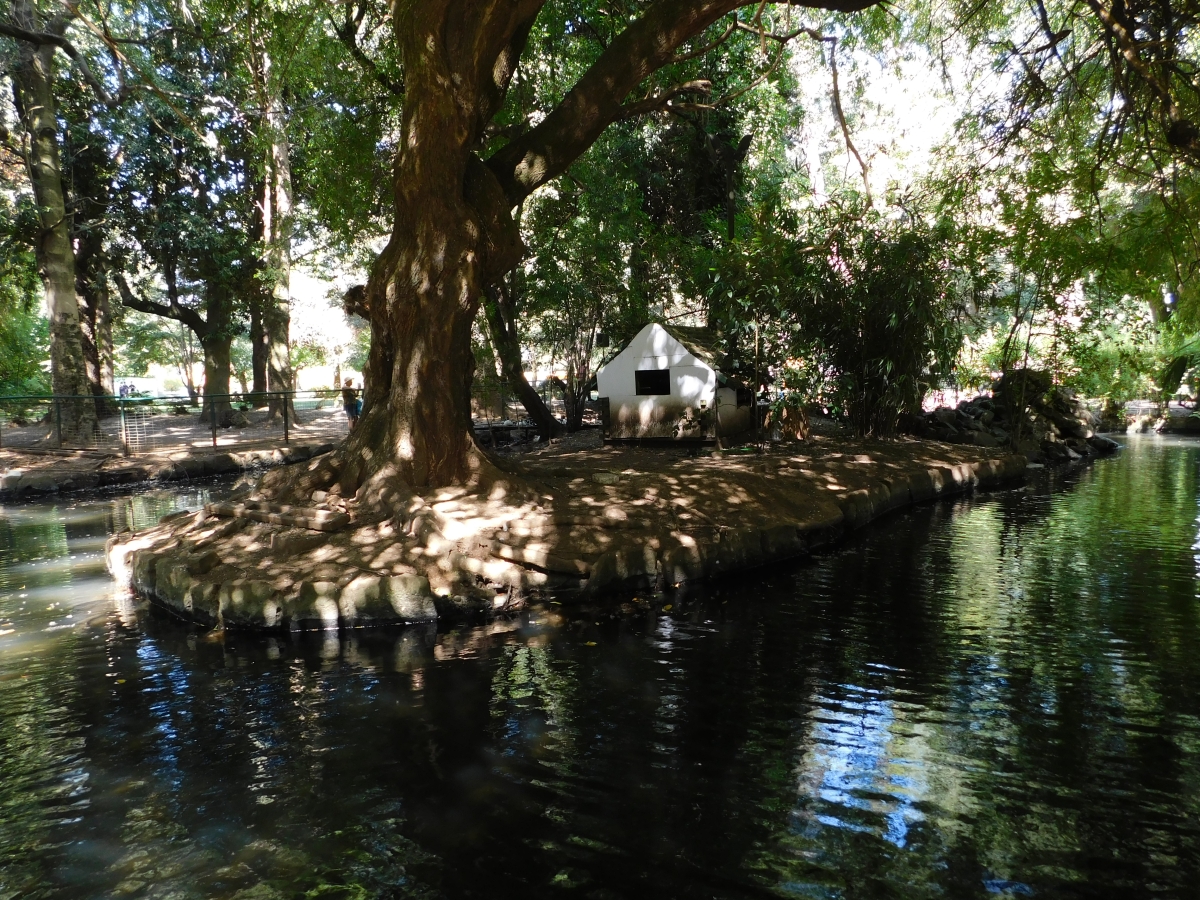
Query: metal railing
point(142, 423)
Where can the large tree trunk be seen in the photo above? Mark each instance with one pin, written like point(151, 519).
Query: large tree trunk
point(95, 314)
point(33, 78)
point(216, 379)
point(88, 169)
point(277, 233)
point(216, 337)
point(501, 319)
point(453, 231)
point(425, 288)
point(258, 352)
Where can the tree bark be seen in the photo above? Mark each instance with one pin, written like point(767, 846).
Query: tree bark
point(33, 82)
point(277, 234)
point(501, 320)
point(216, 379)
point(258, 351)
point(95, 315)
point(453, 231)
point(217, 338)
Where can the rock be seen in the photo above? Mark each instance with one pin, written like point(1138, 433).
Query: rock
point(143, 571)
point(126, 474)
point(316, 606)
point(633, 565)
point(605, 477)
point(238, 419)
point(259, 892)
point(943, 433)
point(295, 541)
point(221, 463)
point(248, 603)
point(1102, 445)
point(39, 483)
point(983, 439)
point(384, 598)
point(203, 563)
point(1055, 451)
point(970, 424)
point(193, 467)
point(1031, 449)
point(1072, 427)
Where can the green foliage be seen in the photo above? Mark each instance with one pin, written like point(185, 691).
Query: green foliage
point(881, 318)
point(142, 341)
point(24, 333)
point(306, 354)
point(859, 316)
point(360, 348)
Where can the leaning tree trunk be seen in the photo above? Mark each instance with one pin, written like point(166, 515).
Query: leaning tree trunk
point(501, 319)
point(33, 76)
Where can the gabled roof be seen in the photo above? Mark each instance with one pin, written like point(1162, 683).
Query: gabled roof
point(702, 343)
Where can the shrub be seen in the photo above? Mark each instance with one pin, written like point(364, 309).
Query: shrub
point(880, 319)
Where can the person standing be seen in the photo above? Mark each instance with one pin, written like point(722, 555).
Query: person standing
point(350, 402)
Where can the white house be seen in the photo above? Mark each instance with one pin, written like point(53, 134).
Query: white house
point(665, 384)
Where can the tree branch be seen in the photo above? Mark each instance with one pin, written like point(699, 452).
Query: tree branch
point(188, 317)
point(43, 38)
point(662, 100)
point(712, 45)
point(595, 102)
point(841, 117)
point(347, 33)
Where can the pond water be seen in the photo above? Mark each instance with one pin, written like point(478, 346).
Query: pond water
point(992, 697)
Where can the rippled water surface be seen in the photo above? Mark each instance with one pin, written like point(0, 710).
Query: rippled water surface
point(997, 697)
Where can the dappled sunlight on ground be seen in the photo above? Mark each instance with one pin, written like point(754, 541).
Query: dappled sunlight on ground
point(600, 519)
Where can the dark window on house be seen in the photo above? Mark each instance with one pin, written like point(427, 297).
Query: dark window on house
point(745, 397)
point(652, 381)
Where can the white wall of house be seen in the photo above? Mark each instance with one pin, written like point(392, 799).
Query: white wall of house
point(693, 385)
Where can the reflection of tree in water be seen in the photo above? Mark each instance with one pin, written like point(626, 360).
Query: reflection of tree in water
point(992, 700)
point(42, 777)
point(965, 698)
point(1077, 663)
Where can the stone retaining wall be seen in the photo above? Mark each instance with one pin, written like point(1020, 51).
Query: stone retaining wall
point(241, 574)
point(670, 559)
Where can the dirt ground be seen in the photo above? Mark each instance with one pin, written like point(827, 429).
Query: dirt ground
point(33, 472)
point(161, 432)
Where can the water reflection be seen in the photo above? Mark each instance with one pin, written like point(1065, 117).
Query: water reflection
point(995, 698)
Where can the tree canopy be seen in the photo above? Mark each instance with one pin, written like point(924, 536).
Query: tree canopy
point(531, 176)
